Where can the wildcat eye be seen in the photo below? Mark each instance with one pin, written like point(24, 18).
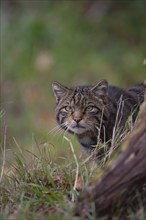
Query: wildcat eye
point(91, 109)
point(67, 109)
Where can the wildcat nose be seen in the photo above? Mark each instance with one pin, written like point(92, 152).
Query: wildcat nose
point(77, 116)
point(77, 120)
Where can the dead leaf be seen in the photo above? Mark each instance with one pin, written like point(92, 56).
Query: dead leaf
point(13, 215)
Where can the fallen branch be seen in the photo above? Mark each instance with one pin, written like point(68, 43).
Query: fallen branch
point(123, 178)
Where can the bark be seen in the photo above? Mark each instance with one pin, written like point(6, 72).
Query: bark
point(125, 177)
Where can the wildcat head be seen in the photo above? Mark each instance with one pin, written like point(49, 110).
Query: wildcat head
point(80, 109)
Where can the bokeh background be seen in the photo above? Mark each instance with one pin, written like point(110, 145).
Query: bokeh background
point(73, 42)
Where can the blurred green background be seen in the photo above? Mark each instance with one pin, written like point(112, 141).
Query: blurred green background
point(72, 42)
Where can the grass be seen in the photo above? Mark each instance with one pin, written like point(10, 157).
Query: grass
point(36, 186)
point(41, 187)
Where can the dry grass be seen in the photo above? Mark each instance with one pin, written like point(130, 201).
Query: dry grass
point(38, 186)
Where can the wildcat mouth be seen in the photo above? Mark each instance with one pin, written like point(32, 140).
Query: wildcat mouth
point(78, 126)
point(77, 129)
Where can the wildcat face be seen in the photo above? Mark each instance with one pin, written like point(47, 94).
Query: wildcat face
point(81, 109)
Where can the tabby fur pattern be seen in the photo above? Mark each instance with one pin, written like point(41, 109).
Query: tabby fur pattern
point(91, 112)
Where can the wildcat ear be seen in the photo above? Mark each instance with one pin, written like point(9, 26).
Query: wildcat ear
point(59, 90)
point(100, 89)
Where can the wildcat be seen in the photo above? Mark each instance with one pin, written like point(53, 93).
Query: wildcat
point(92, 112)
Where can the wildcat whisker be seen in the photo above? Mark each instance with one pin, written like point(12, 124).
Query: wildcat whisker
point(58, 132)
point(97, 114)
point(55, 128)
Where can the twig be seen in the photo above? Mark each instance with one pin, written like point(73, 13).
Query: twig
point(77, 166)
point(4, 156)
point(117, 123)
point(17, 145)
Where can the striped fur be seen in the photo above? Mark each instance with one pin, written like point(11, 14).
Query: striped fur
point(90, 112)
